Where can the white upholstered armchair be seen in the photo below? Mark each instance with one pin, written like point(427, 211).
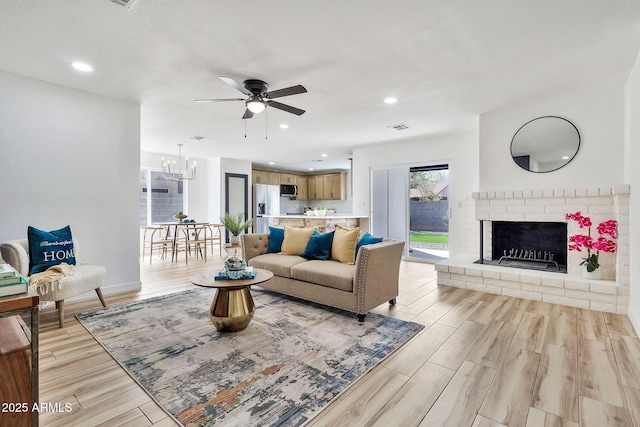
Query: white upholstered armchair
point(85, 277)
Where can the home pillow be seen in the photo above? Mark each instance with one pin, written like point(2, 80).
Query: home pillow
point(344, 244)
point(49, 248)
point(367, 239)
point(319, 246)
point(296, 240)
point(276, 236)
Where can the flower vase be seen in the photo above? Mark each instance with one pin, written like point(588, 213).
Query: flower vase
point(594, 275)
point(234, 240)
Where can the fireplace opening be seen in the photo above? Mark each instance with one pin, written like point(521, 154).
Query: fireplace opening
point(529, 245)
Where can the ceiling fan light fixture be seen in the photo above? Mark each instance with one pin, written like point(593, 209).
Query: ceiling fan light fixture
point(256, 105)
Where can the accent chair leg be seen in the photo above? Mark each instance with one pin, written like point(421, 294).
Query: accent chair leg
point(99, 292)
point(361, 317)
point(60, 305)
point(392, 301)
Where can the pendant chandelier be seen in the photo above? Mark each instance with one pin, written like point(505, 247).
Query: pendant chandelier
point(172, 170)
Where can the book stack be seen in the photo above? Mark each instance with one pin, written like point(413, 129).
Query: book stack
point(12, 282)
point(248, 273)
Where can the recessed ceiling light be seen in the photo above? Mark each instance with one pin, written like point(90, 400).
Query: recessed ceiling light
point(81, 66)
point(390, 100)
point(284, 126)
point(272, 163)
point(324, 154)
point(565, 157)
point(310, 169)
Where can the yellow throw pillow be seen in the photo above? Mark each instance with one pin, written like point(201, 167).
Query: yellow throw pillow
point(344, 244)
point(295, 240)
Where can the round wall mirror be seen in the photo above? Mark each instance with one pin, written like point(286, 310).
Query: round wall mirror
point(545, 144)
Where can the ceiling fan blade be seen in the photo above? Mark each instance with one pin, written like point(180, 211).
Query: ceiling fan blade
point(247, 114)
point(293, 90)
point(218, 99)
point(231, 82)
point(285, 107)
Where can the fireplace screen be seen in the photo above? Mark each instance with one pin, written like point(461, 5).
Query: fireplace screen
point(532, 245)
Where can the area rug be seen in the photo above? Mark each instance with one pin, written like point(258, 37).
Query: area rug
point(290, 362)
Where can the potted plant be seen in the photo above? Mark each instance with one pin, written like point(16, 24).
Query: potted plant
point(605, 243)
point(180, 216)
point(235, 224)
point(320, 211)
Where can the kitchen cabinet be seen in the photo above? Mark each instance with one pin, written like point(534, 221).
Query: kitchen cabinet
point(334, 186)
point(331, 186)
point(274, 178)
point(260, 177)
point(287, 178)
point(303, 186)
point(316, 187)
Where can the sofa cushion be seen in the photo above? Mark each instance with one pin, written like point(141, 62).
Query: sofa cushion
point(278, 264)
point(319, 246)
point(49, 248)
point(296, 240)
point(343, 248)
point(367, 239)
point(332, 274)
point(276, 236)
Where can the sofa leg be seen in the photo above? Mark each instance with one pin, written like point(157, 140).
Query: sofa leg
point(361, 317)
point(60, 305)
point(392, 301)
point(99, 292)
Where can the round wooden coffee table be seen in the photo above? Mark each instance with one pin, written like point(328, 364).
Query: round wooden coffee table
point(232, 307)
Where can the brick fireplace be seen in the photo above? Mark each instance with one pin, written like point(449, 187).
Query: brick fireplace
point(536, 207)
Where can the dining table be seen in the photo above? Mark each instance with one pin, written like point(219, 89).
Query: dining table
point(178, 225)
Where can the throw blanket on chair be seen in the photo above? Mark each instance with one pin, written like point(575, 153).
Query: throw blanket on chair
point(46, 281)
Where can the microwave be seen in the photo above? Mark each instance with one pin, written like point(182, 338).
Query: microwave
point(288, 190)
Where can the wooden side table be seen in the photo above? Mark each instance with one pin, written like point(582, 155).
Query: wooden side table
point(15, 339)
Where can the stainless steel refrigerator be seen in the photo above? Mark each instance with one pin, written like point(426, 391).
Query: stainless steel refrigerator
point(267, 202)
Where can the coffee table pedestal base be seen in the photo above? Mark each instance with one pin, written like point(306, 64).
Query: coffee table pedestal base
point(231, 310)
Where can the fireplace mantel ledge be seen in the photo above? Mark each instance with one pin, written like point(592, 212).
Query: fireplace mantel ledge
point(559, 288)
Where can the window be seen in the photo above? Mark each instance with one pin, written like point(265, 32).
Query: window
point(160, 197)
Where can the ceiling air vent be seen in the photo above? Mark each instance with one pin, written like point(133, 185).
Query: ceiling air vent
point(198, 137)
point(126, 3)
point(398, 127)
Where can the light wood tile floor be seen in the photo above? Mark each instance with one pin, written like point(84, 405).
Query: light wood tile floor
point(482, 361)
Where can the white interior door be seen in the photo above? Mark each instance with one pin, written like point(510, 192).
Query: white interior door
point(389, 190)
point(379, 202)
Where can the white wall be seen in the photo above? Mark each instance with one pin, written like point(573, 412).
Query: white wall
point(597, 113)
point(460, 151)
point(70, 157)
point(197, 190)
point(632, 155)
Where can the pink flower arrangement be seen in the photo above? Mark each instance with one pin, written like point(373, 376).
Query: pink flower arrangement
point(602, 244)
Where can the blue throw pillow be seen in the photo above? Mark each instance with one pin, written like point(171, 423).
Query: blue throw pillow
point(276, 237)
point(367, 239)
point(319, 246)
point(49, 248)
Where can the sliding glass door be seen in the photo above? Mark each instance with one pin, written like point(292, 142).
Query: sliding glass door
point(429, 212)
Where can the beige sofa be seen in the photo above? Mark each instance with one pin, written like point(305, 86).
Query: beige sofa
point(358, 288)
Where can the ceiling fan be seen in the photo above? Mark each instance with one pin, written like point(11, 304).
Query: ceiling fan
point(258, 96)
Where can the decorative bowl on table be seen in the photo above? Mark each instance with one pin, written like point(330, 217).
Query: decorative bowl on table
point(310, 213)
point(320, 212)
point(180, 217)
point(235, 267)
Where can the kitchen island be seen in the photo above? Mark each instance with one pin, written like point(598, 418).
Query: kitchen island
point(321, 223)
